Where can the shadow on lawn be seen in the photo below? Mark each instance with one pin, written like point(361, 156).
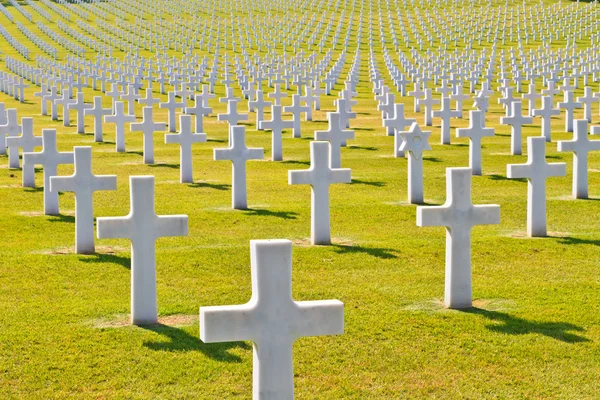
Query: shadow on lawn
point(368, 183)
point(216, 186)
point(180, 340)
point(268, 213)
point(62, 218)
point(108, 258)
point(378, 252)
point(573, 240)
point(498, 177)
point(518, 326)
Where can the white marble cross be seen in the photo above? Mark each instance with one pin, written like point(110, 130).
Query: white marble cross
point(587, 101)
point(148, 127)
point(531, 96)
point(53, 95)
point(258, 106)
point(335, 135)
point(10, 128)
point(536, 170)
point(65, 101)
point(546, 113)
point(276, 125)
point(50, 159)
point(581, 146)
point(398, 123)
point(232, 116)
point(148, 101)
point(119, 118)
point(445, 113)
point(185, 139)
point(142, 227)
point(83, 183)
point(296, 109)
point(272, 320)
point(516, 121)
point(415, 141)
point(459, 216)
point(130, 97)
point(98, 113)
point(199, 110)
point(428, 101)
point(475, 132)
point(79, 106)
point(238, 153)
point(319, 176)
point(171, 105)
point(569, 105)
point(27, 142)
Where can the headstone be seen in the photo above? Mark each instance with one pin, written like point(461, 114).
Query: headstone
point(536, 171)
point(319, 176)
point(272, 320)
point(459, 216)
point(546, 113)
point(27, 142)
point(79, 106)
point(415, 141)
point(516, 121)
point(98, 113)
point(142, 227)
point(238, 153)
point(50, 158)
point(185, 138)
point(475, 132)
point(569, 105)
point(445, 113)
point(148, 127)
point(119, 118)
point(276, 125)
point(335, 135)
point(83, 183)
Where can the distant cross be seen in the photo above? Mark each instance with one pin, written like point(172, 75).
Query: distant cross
point(258, 106)
point(416, 93)
point(148, 127)
point(335, 135)
point(148, 101)
point(276, 125)
point(516, 121)
point(536, 170)
point(581, 146)
point(546, 113)
point(445, 113)
point(83, 183)
point(238, 154)
point(172, 105)
point(98, 113)
point(232, 116)
point(130, 97)
point(199, 110)
point(185, 139)
point(475, 132)
point(459, 216)
point(569, 105)
point(398, 123)
point(9, 128)
point(587, 101)
point(297, 109)
point(277, 95)
point(320, 176)
point(428, 101)
point(27, 142)
point(415, 141)
point(50, 159)
point(142, 227)
point(65, 101)
point(459, 97)
point(272, 320)
point(119, 118)
point(79, 106)
point(531, 98)
point(51, 97)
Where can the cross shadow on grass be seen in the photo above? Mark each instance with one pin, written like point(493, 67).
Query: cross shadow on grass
point(498, 177)
point(217, 140)
point(216, 186)
point(164, 165)
point(507, 324)
point(107, 258)
point(180, 340)
point(367, 148)
point(269, 213)
point(368, 183)
point(573, 240)
point(61, 218)
point(432, 159)
point(379, 252)
point(34, 189)
point(138, 152)
point(296, 162)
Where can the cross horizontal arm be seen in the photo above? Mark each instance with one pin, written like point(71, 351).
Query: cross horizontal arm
point(227, 323)
point(318, 318)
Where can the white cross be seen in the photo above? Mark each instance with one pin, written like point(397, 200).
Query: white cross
point(569, 105)
point(142, 227)
point(516, 121)
point(536, 170)
point(53, 95)
point(345, 115)
point(148, 101)
point(415, 141)
point(50, 159)
point(319, 176)
point(459, 97)
point(130, 97)
point(27, 142)
point(428, 101)
point(398, 123)
point(98, 113)
point(80, 106)
point(296, 109)
point(258, 106)
point(277, 95)
point(581, 145)
point(335, 135)
point(232, 116)
point(546, 113)
point(148, 127)
point(276, 125)
point(459, 216)
point(416, 93)
point(272, 320)
point(531, 97)
point(65, 101)
point(119, 118)
point(199, 110)
point(475, 132)
point(9, 127)
point(588, 100)
point(171, 105)
point(20, 86)
point(83, 183)
point(445, 113)
point(238, 153)
point(185, 138)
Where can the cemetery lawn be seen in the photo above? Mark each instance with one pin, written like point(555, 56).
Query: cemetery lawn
point(534, 331)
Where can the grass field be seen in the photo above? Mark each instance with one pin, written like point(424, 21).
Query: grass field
point(534, 331)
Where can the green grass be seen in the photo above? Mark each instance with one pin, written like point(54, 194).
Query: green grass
point(533, 333)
